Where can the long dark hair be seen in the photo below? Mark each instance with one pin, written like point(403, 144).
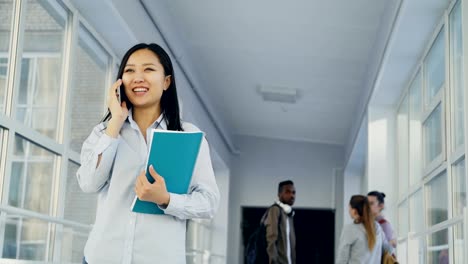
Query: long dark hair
point(169, 101)
point(361, 204)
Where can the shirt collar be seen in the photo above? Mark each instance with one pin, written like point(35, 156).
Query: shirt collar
point(160, 121)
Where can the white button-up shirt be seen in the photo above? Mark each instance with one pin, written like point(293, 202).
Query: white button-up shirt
point(120, 235)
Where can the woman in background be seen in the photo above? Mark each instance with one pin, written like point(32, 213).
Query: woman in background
point(362, 242)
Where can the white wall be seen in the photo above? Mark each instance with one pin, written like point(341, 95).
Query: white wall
point(263, 163)
point(381, 164)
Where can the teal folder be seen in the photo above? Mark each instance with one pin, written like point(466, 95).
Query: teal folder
point(173, 155)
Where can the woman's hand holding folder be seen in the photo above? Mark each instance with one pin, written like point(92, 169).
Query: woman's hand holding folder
point(155, 192)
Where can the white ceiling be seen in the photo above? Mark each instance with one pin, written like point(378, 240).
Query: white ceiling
point(322, 48)
point(415, 29)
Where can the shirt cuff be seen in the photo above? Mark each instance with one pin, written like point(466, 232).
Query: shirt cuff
point(176, 204)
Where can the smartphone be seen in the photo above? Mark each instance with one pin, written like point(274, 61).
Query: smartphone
point(119, 94)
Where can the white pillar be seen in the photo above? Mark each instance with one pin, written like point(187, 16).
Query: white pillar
point(381, 157)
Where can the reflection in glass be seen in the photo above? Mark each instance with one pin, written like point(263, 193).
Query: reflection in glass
point(435, 67)
point(33, 171)
point(6, 16)
point(459, 187)
point(438, 248)
point(25, 238)
point(41, 67)
point(433, 135)
point(437, 201)
point(403, 160)
point(28, 238)
point(456, 70)
point(89, 89)
point(79, 206)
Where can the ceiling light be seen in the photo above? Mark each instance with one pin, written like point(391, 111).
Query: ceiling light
point(278, 94)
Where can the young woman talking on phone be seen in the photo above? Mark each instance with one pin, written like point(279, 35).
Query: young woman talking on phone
point(113, 158)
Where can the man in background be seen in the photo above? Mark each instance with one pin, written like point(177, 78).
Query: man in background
point(280, 235)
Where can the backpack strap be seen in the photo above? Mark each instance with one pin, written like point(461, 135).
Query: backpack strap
point(382, 221)
point(265, 215)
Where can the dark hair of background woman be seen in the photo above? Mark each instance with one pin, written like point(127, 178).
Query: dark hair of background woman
point(361, 204)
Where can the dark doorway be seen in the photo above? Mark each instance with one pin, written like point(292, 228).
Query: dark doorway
point(315, 232)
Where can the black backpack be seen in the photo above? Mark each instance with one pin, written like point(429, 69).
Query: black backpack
point(256, 249)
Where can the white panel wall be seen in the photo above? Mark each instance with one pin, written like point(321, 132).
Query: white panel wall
point(263, 163)
point(381, 161)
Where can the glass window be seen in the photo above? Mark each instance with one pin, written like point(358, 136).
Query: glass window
point(417, 212)
point(73, 242)
point(403, 219)
point(6, 15)
point(434, 66)
point(456, 59)
point(403, 164)
point(415, 130)
point(438, 248)
point(458, 244)
point(33, 171)
point(437, 201)
point(41, 67)
point(89, 89)
point(25, 238)
point(433, 135)
point(79, 206)
point(459, 188)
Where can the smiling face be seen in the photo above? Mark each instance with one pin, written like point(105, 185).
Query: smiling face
point(144, 79)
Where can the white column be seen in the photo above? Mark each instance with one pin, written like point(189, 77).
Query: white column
point(381, 157)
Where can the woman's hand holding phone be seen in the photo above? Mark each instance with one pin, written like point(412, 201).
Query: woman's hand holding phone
point(118, 110)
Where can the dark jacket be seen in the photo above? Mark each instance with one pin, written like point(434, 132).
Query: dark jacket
point(276, 236)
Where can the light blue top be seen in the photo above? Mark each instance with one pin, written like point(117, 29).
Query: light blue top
point(120, 235)
point(354, 248)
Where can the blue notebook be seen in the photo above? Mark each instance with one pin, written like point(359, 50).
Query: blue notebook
point(173, 155)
